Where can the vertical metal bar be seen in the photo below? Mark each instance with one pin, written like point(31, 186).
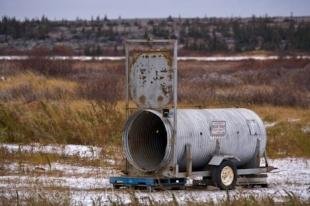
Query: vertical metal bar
point(266, 159)
point(175, 102)
point(127, 78)
point(188, 149)
point(127, 90)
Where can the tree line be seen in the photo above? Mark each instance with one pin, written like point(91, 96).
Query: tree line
point(196, 34)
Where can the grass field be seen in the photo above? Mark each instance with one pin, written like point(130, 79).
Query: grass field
point(72, 102)
point(44, 199)
point(56, 103)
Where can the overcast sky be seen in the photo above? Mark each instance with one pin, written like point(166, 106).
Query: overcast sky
point(70, 9)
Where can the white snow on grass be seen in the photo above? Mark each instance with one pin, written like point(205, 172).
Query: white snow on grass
point(56, 168)
point(82, 151)
point(306, 129)
point(291, 120)
point(203, 58)
point(270, 124)
point(45, 181)
point(291, 171)
point(89, 184)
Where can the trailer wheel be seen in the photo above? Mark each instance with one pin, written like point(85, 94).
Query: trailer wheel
point(224, 176)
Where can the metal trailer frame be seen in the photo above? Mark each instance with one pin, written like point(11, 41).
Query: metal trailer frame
point(248, 176)
point(149, 183)
point(245, 177)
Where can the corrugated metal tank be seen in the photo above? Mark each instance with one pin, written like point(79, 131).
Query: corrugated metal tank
point(147, 137)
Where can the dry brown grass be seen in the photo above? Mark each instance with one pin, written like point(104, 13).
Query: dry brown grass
point(276, 82)
point(98, 123)
point(289, 136)
point(84, 105)
point(23, 158)
point(29, 87)
point(52, 197)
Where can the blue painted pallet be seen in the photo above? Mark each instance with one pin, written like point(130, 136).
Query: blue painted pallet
point(124, 181)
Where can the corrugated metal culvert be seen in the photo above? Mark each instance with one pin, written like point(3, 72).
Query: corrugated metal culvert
point(147, 137)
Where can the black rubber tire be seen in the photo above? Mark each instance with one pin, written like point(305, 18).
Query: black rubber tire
point(216, 175)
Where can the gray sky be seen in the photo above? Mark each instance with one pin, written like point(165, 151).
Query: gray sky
point(70, 9)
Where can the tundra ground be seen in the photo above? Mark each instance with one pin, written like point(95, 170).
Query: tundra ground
point(56, 105)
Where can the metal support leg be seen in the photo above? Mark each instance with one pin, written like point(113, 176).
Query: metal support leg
point(188, 149)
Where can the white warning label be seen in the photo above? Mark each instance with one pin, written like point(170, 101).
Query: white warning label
point(218, 128)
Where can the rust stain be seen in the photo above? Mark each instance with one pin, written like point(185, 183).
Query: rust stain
point(160, 98)
point(135, 54)
point(170, 76)
point(166, 89)
point(142, 99)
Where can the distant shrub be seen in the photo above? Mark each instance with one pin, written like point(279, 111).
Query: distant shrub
point(102, 84)
point(8, 68)
point(102, 89)
point(40, 62)
point(62, 50)
point(282, 83)
point(279, 96)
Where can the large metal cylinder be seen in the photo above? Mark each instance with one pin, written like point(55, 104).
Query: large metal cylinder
point(148, 138)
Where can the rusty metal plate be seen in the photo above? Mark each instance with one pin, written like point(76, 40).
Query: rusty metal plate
point(151, 78)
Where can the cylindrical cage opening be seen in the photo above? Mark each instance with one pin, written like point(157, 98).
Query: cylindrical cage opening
point(146, 141)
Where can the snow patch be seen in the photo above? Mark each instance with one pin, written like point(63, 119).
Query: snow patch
point(88, 184)
point(306, 129)
point(293, 120)
point(118, 58)
point(270, 124)
point(82, 151)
